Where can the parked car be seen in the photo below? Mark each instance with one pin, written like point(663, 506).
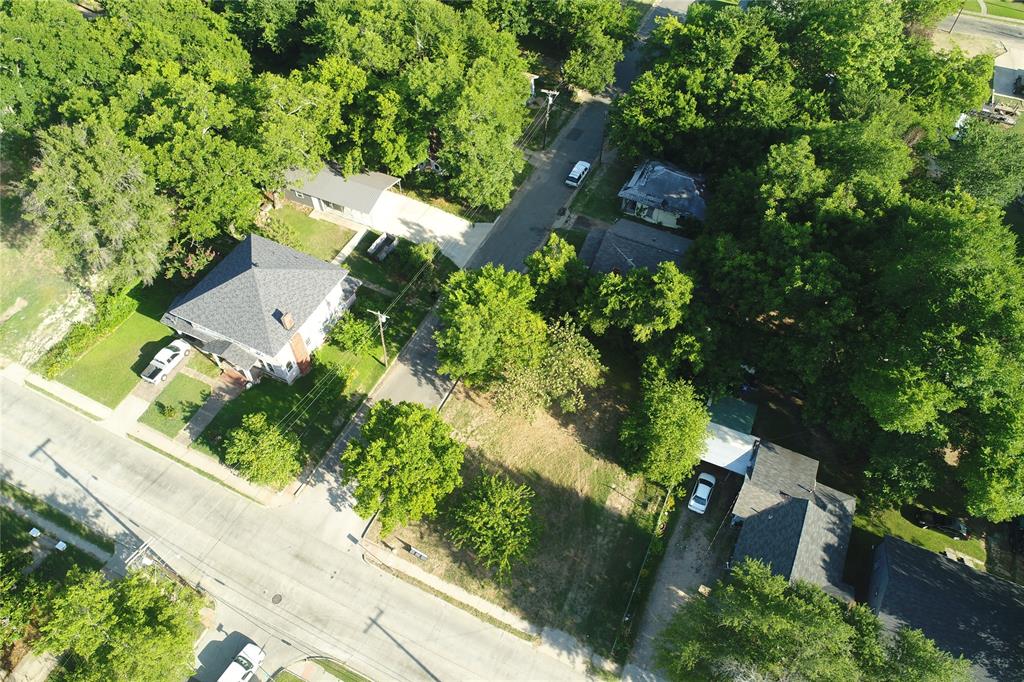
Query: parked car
point(577, 174)
point(244, 664)
point(701, 493)
point(947, 525)
point(166, 359)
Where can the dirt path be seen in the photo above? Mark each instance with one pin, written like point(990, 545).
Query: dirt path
point(690, 561)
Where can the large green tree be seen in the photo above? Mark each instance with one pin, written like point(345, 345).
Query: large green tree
point(985, 160)
point(558, 276)
point(487, 324)
point(98, 207)
point(405, 462)
point(756, 625)
point(641, 302)
point(139, 628)
point(440, 83)
point(666, 431)
point(568, 365)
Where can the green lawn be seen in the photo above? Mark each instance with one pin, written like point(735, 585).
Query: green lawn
point(339, 671)
point(28, 274)
point(598, 197)
point(109, 370)
point(561, 111)
point(183, 397)
point(574, 237)
point(204, 365)
point(316, 237)
point(1005, 8)
point(892, 522)
point(971, 5)
point(363, 266)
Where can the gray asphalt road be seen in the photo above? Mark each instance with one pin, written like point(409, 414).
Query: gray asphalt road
point(1011, 34)
point(525, 222)
point(289, 578)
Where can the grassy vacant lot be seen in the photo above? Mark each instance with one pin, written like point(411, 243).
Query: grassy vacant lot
point(318, 238)
point(598, 197)
point(176, 405)
point(595, 521)
point(319, 404)
point(109, 370)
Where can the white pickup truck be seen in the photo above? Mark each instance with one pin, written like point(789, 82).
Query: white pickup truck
point(167, 359)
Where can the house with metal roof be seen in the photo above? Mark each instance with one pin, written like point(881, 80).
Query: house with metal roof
point(661, 193)
point(628, 245)
point(263, 309)
point(791, 522)
point(354, 198)
point(966, 612)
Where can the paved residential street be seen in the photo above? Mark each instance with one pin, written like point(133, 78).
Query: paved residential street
point(290, 578)
point(1010, 34)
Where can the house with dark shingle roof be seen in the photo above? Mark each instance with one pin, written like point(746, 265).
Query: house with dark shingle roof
point(967, 612)
point(263, 309)
point(791, 522)
point(661, 193)
point(628, 245)
point(355, 198)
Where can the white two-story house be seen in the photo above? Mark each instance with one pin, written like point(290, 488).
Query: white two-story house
point(263, 309)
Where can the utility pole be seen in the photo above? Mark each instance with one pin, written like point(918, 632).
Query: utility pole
point(552, 94)
point(381, 319)
point(956, 19)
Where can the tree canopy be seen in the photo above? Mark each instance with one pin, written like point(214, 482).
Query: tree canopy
point(666, 432)
point(263, 452)
point(487, 325)
point(495, 521)
point(853, 252)
point(756, 625)
point(405, 462)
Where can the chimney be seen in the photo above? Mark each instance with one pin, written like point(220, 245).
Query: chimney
point(287, 321)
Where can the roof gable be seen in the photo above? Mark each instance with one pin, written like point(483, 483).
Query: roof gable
point(360, 192)
point(664, 186)
point(967, 612)
point(628, 245)
point(244, 296)
point(776, 474)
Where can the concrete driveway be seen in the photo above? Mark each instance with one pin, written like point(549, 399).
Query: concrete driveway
point(419, 222)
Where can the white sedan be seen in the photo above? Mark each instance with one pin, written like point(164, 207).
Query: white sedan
point(166, 359)
point(701, 493)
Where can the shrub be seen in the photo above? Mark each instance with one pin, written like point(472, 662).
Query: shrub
point(169, 410)
point(279, 231)
point(111, 311)
point(496, 521)
point(352, 334)
point(263, 453)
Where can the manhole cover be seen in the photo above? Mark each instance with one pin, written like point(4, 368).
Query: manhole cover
point(276, 599)
point(574, 134)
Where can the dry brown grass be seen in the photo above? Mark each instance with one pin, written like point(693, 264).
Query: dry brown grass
point(594, 519)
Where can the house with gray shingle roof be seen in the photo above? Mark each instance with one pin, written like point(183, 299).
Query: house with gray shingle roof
point(661, 193)
point(263, 309)
point(628, 245)
point(967, 612)
point(355, 198)
point(791, 522)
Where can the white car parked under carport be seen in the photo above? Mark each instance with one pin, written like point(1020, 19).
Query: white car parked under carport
point(701, 493)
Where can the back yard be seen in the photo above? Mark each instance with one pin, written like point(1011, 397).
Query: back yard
point(318, 238)
point(595, 520)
